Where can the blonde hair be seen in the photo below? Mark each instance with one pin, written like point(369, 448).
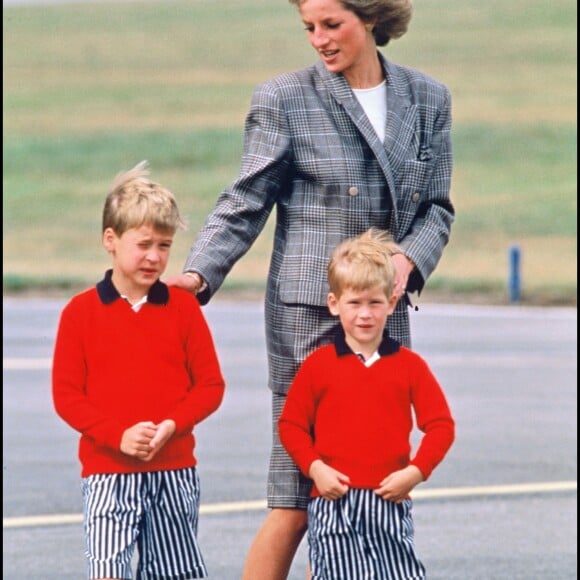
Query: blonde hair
point(363, 262)
point(390, 18)
point(135, 200)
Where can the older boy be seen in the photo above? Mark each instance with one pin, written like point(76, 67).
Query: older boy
point(347, 422)
point(134, 371)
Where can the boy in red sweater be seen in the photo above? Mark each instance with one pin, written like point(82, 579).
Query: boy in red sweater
point(134, 370)
point(347, 423)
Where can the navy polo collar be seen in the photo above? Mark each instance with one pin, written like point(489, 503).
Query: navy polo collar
point(158, 293)
point(388, 345)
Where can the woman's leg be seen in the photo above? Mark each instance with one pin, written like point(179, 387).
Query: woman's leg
point(292, 333)
point(273, 549)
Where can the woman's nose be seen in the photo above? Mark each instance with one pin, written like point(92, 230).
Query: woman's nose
point(318, 38)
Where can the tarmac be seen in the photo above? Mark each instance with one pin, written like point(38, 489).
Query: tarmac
point(502, 505)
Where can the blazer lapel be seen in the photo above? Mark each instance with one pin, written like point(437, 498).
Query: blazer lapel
point(342, 93)
point(399, 126)
point(401, 114)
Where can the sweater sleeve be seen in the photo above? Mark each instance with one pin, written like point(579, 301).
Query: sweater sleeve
point(207, 383)
point(296, 421)
point(433, 418)
point(69, 378)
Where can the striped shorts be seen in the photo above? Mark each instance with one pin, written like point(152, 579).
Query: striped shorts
point(156, 511)
point(362, 537)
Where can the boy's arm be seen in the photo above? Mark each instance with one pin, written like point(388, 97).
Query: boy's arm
point(295, 426)
point(433, 418)
point(207, 382)
point(69, 382)
point(297, 419)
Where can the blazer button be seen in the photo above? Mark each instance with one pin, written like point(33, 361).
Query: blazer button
point(416, 197)
point(353, 190)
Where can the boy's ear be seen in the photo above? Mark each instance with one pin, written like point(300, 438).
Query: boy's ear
point(109, 237)
point(332, 302)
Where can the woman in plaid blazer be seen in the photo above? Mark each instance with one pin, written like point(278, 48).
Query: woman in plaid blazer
point(351, 142)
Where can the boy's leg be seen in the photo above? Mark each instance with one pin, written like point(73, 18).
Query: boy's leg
point(360, 535)
point(156, 510)
point(168, 543)
point(112, 511)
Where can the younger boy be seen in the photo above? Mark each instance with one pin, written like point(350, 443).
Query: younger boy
point(347, 423)
point(134, 371)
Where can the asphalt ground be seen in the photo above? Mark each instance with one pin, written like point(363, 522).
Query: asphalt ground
point(501, 506)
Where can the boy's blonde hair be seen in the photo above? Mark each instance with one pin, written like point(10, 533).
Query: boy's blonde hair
point(363, 262)
point(135, 200)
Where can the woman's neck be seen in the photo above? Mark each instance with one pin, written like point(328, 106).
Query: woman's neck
point(367, 75)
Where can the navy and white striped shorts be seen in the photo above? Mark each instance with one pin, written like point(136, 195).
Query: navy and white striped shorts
point(362, 537)
point(155, 511)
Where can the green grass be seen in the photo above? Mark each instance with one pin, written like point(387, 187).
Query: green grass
point(91, 89)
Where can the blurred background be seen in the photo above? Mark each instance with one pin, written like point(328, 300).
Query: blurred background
point(92, 88)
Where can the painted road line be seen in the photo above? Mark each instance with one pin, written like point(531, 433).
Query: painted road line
point(499, 360)
point(26, 364)
point(245, 506)
point(485, 490)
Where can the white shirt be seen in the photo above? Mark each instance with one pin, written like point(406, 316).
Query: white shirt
point(374, 103)
point(369, 361)
point(137, 306)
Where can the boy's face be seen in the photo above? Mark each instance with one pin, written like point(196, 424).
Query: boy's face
point(139, 258)
point(363, 315)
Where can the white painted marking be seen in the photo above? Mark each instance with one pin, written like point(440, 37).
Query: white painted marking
point(245, 506)
point(26, 364)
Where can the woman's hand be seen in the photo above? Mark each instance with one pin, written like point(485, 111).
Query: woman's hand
point(190, 281)
point(403, 269)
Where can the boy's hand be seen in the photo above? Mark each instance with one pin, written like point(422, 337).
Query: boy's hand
point(330, 483)
point(136, 440)
point(397, 486)
point(165, 430)
point(144, 440)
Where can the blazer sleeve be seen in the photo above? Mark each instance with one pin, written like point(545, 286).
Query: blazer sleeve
point(426, 236)
point(243, 208)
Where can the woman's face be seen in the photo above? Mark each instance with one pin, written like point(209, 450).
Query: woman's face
point(341, 39)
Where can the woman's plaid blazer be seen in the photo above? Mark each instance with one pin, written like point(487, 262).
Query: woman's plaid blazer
point(311, 152)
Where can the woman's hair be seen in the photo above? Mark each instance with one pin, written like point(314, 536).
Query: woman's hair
point(390, 18)
point(363, 262)
point(135, 200)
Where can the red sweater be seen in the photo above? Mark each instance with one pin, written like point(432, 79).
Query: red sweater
point(359, 419)
point(114, 367)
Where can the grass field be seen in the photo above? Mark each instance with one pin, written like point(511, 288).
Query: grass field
point(91, 89)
